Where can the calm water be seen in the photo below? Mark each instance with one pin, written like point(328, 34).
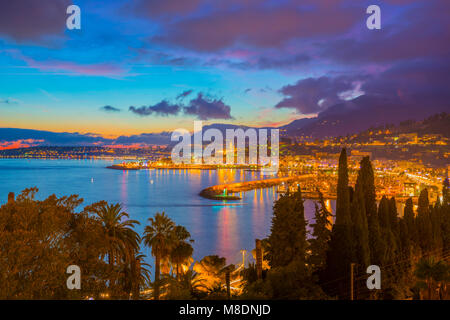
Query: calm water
point(218, 227)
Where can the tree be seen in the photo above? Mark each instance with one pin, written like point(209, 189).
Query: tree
point(341, 253)
point(288, 231)
point(187, 285)
point(136, 276)
point(40, 239)
point(384, 217)
point(446, 193)
point(210, 271)
point(360, 231)
point(343, 196)
point(408, 217)
point(33, 244)
point(436, 228)
point(433, 272)
point(423, 222)
point(159, 236)
point(318, 244)
point(121, 240)
point(367, 182)
point(393, 217)
point(366, 188)
point(182, 249)
point(445, 216)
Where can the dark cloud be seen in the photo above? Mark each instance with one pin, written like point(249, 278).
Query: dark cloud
point(419, 84)
point(184, 94)
point(422, 82)
point(312, 95)
point(162, 108)
point(203, 107)
point(258, 25)
point(110, 109)
point(206, 108)
point(31, 19)
point(423, 31)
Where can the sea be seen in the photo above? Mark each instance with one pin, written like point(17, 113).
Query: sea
point(224, 228)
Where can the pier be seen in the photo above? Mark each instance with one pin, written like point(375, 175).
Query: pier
point(223, 191)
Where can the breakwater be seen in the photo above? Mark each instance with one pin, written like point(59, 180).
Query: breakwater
point(219, 192)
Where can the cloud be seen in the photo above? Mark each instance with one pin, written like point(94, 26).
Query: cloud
point(22, 143)
point(421, 30)
point(158, 8)
point(31, 19)
point(258, 25)
point(307, 34)
point(208, 108)
point(184, 94)
point(312, 95)
point(68, 67)
point(203, 107)
point(419, 82)
point(264, 62)
point(9, 101)
point(162, 108)
point(414, 84)
point(110, 109)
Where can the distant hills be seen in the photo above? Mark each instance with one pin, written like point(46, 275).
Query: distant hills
point(348, 117)
point(11, 137)
point(360, 114)
point(436, 124)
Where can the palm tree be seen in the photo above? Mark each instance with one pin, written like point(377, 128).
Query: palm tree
point(190, 279)
point(430, 270)
point(159, 236)
point(137, 275)
point(121, 241)
point(182, 249)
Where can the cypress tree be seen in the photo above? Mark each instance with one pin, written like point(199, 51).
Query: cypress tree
point(287, 240)
point(340, 254)
point(391, 253)
point(393, 217)
point(366, 182)
point(360, 226)
point(408, 217)
point(321, 235)
point(405, 270)
point(376, 242)
point(386, 231)
point(445, 216)
point(368, 186)
point(436, 225)
point(360, 240)
point(423, 222)
point(343, 195)
point(446, 193)
point(383, 213)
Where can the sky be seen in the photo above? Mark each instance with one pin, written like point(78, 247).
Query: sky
point(151, 66)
